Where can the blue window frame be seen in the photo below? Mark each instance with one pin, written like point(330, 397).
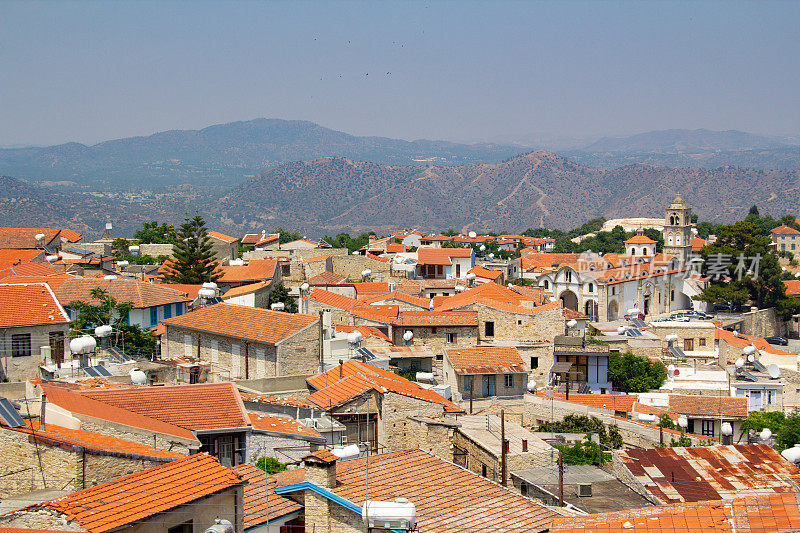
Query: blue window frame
point(153, 316)
point(168, 311)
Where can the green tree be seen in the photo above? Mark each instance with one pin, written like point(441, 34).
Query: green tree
point(281, 294)
point(757, 421)
point(633, 373)
point(104, 309)
point(195, 260)
point(681, 442)
point(582, 452)
point(288, 236)
point(450, 232)
point(119, 247)
point(155, 233)
point(270, 465)
point(789, 433)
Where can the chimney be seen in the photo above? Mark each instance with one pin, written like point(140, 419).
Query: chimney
point(43, 411)
point(524, 445)
point(341, 369)
point(320, 468)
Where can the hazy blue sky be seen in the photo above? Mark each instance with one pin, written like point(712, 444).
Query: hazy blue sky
point(100, 70)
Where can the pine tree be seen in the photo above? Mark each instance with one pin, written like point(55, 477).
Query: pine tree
point(195, 261)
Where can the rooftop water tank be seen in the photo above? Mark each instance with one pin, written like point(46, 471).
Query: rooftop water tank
point(399, 514)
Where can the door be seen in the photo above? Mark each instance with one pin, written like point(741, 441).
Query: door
point(688, 345)
point(57, 347)
point(755, 400)
point(225, 451)
point(489, 386)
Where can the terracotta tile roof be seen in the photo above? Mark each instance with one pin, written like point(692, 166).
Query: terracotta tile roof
point(274, 400)
point(792, 286)
point(710, 406)
point(260, 239)
point(140, 293)
point(54, 435)
point(395, 247)
point(9, 269)
point(29, 305)
point(243, 322)
point(694, 474)
point(762, 513)
point(535, 294)
point(326, 278)
point(365, 289)
point(485, 273)
point(616, 402)
point(332, 299)
point(439, 238)
point(400, 297)
point(486, 360)
point(386, 314)
point(698, 244)
point(25, 238)
point(254, 270)
point(530, 262)
point(321, 455)
point(447, 498)
point(315, 259)
point(222, 237)
point(138, 496)
point(282, 424)
point(378, 258)
point(72, 236)
point(741, 341)
point(245, 289)
point(79, 404)
point(785, 230)
point(441, 256)
point(570, 314)
point(193, 407)
point(257, 509)
point(409, 351)
point(519, 309)
point(640, 239)
point(368, 377)
point(190, 290)
point(19, 256)
point(366, 331)
point(486, 293)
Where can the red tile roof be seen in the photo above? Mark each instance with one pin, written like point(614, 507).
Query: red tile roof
point(400, 297)
point(409, 351)
point(441, 256)
point(484, 292)
point(616, 402)
point(694, 474)
point(29, 305)
point(315, 259)
point(367, 377)
point(437, 318)
point(282, 424)
point(365, 289)
point(253, 270)
point(257, 509)
point(137, 497)
point(245, 289)
point(447, 498)
point(54, 435)
point(792, 286)
point(194, 407)
point(79, 404)
point(274, 400)
point(222, 237)
point(710, 406)
point(486, 360)
point(326, 278)
point(741, 341)
point(698, 244)
point(19, 256)
point(762, 513)
point(530, 262)
point(10, 269)
point(640, 239)
point(785, 230)
point(366, 331)
point(25, 238)
point(485, 273)
point(191, 290)
point(140, 293)
point(332, 299)
point(243, 322)
point(321, 455)
point(260, 239)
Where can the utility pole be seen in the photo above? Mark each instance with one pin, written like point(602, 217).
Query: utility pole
point(661, 431)
point(503, 446)
point(560, 479)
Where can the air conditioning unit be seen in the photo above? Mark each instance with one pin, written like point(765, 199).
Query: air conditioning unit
point(585, 490)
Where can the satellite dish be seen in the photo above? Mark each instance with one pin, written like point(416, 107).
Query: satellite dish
point(683, 421)
point(483, 249)
point(304, 287)
point(138, 377)
point(727, 429)
point(765, 434)
point(749, 350)
point(472, 234)
point(751, 358)
point(774, 371)
point(408, 335)
point(739, 363)
point(572, 323)
point(621, 330)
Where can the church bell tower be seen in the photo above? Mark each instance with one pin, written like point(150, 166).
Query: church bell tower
point(678, 230)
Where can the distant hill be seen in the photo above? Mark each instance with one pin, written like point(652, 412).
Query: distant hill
point(225, 155)
point(328, 195)
point(684, 141)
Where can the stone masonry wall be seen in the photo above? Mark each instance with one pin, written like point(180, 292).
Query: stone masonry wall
point(399, 433)
point(520, 328)
point(351, 267)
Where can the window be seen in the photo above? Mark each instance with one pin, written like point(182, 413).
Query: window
point(672, 295)
point(519, 321)
point(591, 287)
point(546, 285)
point(707, 428)
point(508, 380)
point(614, 290)
point(484, 471)
point(568, 276)
point(153, 316)
point(433, 331)
point(21, 345)
point(488, 329)
point(770, 397)
point(285, 272)
point(440, 357)
point(186, 527)
point(450, 338)
point(534, 362)
point(168, 311)
point(701, 342)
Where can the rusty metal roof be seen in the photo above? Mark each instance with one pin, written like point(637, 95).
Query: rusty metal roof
point(702, 473)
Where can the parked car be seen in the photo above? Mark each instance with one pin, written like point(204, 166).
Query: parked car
point(640, 315)
point(780, 341)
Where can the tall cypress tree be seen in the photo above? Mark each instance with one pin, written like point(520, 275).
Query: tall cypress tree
point(195, 261)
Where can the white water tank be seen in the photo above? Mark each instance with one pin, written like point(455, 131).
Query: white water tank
point(792, 454)
point(399, 514)
point(138, 377)
point(206, 293)
point(103, 331)
point(346, 452)
point(82, 345)
point(210, 285)
point(220, 526)
point(671, 338)
point(426, 377)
